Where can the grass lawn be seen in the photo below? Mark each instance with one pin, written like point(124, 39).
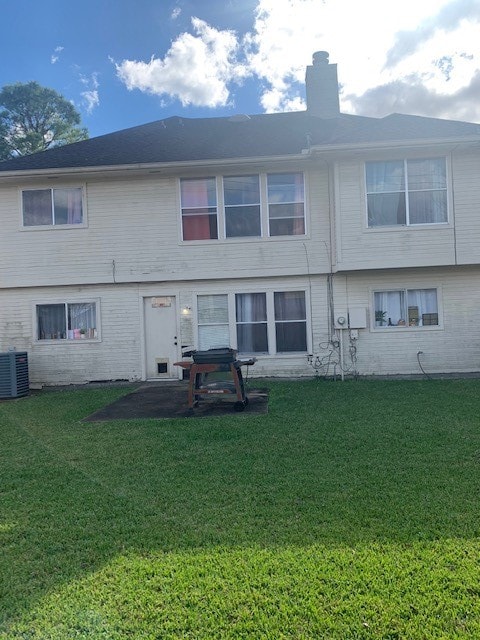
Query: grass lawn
point(350, 511)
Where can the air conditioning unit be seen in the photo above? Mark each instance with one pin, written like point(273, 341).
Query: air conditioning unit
point(14, 374)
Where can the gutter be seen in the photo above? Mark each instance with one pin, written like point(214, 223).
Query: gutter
point(321, 150)
point(167, 168)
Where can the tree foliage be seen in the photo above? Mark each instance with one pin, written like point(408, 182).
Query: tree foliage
point(34, 118)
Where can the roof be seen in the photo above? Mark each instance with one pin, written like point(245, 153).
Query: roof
point(178, 139)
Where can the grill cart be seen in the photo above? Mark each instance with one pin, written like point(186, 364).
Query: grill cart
point(216, 373)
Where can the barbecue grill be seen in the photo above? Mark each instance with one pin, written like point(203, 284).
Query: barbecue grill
point(205, 368)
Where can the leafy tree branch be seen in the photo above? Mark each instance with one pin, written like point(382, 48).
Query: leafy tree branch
point(34, 118)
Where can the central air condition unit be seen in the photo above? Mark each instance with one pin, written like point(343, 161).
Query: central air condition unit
point(14, 374)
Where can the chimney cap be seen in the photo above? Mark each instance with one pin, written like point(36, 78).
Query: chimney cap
point(320, 57)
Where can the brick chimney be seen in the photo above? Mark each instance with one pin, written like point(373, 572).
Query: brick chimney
point(321, 83)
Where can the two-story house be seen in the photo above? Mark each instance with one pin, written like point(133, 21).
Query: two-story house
point(314, 241)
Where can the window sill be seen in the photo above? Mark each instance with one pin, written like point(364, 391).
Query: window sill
point(397, 228)
point(282, 354)
point(243, 240)
point(54, 227)
point(50, 341)
point(402, 329)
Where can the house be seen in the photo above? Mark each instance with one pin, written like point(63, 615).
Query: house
point(316, 241)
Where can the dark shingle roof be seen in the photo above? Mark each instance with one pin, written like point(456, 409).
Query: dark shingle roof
point(182, 139)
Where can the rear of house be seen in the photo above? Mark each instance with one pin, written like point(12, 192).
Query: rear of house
point(316, 241)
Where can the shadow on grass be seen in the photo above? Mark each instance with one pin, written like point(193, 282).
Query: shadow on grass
point(331, 464)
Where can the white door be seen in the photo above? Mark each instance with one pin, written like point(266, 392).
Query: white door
point(161, 349)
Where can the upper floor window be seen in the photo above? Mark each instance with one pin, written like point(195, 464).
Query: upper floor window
point(406, 308)
point(50, 207)
point(286, 213)
point(406, 192)
point(242, 206)
point(199, 209)
point(247, 206)
point(66, 321)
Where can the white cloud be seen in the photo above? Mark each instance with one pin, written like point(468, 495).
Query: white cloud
point(287, 32)
point(434, 44)
point(56, 54)
point(90, 96)
point(197, 69)
point(448, 19)
point(411, 95)
point(281, 43)
point(428, 50)
point(175, 13)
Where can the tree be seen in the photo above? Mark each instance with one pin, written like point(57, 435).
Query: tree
point(4, 149)
point(34, 118)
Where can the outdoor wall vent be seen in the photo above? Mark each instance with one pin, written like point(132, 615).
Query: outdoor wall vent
point(14, 374)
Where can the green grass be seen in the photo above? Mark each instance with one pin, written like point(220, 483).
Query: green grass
point(350, 511)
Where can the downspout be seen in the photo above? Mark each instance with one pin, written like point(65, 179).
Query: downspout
point(333, 245)
point(453, 211)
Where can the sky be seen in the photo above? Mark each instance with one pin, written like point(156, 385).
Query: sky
point(124, 63)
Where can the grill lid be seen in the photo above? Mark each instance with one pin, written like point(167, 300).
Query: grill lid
point(223, 355)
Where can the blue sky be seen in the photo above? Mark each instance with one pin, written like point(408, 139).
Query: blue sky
point(128, 62)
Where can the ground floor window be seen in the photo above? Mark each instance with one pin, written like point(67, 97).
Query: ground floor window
point(265, 322)
point(290, 321)
point(212, 318)
point(67, 321)
point(251, 322)
point(406, 308)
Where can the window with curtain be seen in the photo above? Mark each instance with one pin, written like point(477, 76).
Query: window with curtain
point(199, 208)
point(286, 204)
point(406, 308)
point(249, 206)
point(42, 207)
point(213, 322)
point(290, 321)
point(251, 317)
point(263, 322)
point(242, 206)
point(67, 321)
point(406, 192)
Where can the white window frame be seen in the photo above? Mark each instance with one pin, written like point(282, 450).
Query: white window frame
point(407, 224)
point(268, 204)
point(262, 322)
point(217, 207)
point(264, 209)
point(407, 327)
point(53, 226)
point(66, 302)
point(211, 324)
point(239, 206)
point(271, 322)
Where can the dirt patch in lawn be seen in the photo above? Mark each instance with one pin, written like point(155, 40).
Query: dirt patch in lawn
point(169, 400)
